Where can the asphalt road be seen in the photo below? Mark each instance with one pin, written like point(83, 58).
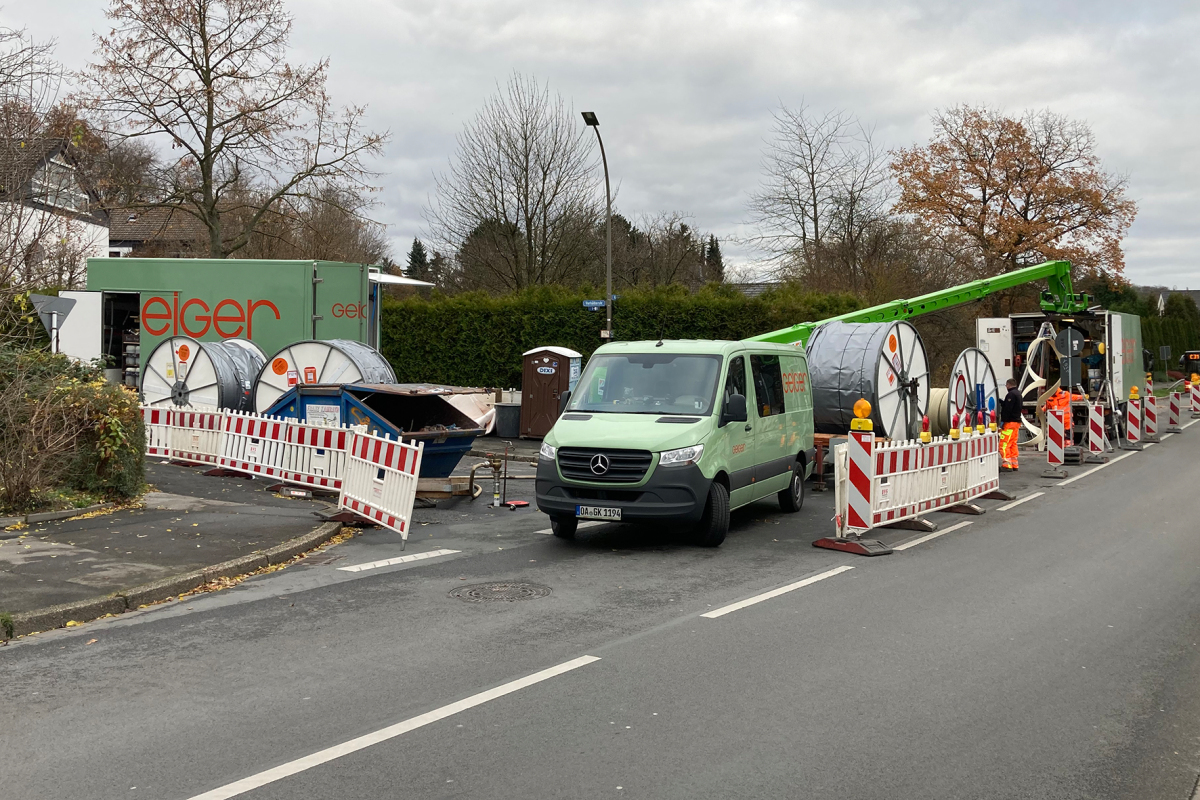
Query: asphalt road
point(1048, 650)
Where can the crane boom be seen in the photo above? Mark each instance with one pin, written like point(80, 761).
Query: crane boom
point(1060, 297)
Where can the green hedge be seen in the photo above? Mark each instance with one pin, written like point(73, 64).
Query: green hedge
point(1178, 333)
point(477, 340)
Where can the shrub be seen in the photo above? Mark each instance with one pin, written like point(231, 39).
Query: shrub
point(61, 422)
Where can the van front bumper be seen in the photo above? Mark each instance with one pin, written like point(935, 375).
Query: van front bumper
point(670, 493)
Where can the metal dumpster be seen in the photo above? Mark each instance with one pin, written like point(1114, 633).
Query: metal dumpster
point(416, 412)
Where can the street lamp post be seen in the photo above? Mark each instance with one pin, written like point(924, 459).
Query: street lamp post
point(589, 119)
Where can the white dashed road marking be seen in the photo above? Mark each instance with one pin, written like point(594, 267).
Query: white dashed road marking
point(720, 612)
point(388, 562)
point(392, 731)
point(929, 536)
point(1024, 499)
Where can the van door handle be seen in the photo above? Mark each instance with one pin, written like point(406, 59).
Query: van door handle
point(748, 427)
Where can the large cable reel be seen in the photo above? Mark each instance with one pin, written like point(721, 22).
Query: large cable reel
point(972, 372)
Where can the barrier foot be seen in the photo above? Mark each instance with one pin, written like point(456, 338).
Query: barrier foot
point(859, 547)
point(1095, 458)
point(343, 516)
point(1174, 429)
point(1153, 438)
point(963, 508)
point(914, 524)
point(998, 494)
point(221, 472)
point(1054, 472)
point(1131, 446)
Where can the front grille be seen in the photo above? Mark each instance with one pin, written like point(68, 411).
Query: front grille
point(614, 495)
point(624, 466)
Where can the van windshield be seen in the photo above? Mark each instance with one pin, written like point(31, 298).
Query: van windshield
point(648, 383)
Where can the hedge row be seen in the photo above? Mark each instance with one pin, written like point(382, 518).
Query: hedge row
point(477, 340)
point(1178, 333)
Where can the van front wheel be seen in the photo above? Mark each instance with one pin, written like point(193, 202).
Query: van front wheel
point(564, 527)
point(791, 499)
point(714, 524)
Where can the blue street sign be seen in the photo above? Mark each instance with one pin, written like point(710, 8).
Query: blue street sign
point(593, 305)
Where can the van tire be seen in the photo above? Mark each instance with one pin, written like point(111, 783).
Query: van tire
point(791, 499)
point(714, 523)
point(564, 527)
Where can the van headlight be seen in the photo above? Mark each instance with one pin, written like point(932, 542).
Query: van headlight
point(681, 457)
point(547, 452)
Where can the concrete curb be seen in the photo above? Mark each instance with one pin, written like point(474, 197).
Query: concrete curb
point(47, 516)
point(43, 619)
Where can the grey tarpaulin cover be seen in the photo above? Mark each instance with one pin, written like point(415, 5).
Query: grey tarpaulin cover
point(848, 361)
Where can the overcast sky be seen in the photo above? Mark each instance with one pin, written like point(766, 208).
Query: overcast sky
point(684, 90)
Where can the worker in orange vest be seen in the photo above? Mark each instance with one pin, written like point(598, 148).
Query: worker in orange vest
point(1010, 421)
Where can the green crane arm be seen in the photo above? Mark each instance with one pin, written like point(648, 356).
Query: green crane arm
point(1060, 298)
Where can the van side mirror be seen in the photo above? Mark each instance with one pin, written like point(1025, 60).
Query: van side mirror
point(563, 399)
point(735, 410)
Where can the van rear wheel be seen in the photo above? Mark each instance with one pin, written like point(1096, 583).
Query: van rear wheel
point(791, 499)
point(564, 527)
point(714, 524)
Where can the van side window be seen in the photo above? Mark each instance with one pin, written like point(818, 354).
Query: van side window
point(768, 385)
point(735, 382)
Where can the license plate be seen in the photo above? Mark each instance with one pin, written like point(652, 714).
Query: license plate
point(598, 512)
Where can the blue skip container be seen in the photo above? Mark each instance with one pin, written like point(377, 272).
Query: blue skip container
point(414, 412)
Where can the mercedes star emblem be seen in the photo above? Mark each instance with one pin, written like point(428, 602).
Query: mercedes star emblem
point(599, 464)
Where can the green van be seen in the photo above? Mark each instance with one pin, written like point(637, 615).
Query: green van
point(679, 430)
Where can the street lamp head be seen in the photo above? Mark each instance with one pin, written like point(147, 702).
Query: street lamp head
point(589, 119)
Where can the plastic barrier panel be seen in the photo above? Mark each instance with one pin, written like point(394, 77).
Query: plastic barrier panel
point(897, 481)
point(1175, 404)
point(254, 445)
point(158, 431)
point(1150, 418)
point(316, 455)
point(1194, 393)
point(1133, 422)
point(380, 481)
point(196, 436)
point(1055, 427)
point(1096, 429)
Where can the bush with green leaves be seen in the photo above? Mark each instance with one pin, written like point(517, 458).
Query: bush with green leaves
point(476, 339)
point(62, 424)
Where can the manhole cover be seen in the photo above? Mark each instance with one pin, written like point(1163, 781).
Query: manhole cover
point(506, 592)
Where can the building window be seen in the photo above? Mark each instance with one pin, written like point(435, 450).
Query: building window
point(56, 184)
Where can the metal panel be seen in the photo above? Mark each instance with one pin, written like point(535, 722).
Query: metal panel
point(993, 336)
point(79, 334)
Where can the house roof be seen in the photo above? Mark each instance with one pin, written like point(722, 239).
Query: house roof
point(154, 224)
point(20, 159)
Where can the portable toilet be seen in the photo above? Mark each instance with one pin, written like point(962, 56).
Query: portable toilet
point(547, 373)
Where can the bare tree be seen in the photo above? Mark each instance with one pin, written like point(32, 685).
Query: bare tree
point(248, 132)
point(520, 199)
point(824, 189)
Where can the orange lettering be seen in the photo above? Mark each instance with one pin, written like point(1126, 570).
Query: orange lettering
point(250, 306)
point(218, 318)
point(205, 318)
point(147, 316)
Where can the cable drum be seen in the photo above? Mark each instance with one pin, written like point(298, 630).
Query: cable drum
point(187, 373)
point(971, 369)
point(331, 361)
point(884, 362)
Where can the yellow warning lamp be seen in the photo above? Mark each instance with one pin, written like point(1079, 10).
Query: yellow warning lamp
point(1133, 393)
point(954, 426)
point(979, 426)
point(926, 437)
point(1195, 379)
point(992, 420)
point(862, 414)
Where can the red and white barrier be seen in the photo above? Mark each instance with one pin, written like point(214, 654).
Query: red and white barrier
point(158, 431)
point(1133, 423)
point(1174, 404)
point(1194, 394)
point(1150, 418)
point(316, 455)
point(860, 468)
point(1055, 437)
point(886, 483)
point(196, 436)
point(380, 481)
point(254, 444)
point(1096, 429)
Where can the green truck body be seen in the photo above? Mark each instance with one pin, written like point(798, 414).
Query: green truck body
point(141, 301)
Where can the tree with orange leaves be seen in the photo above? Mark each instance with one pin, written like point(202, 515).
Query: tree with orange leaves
point(1016, 191)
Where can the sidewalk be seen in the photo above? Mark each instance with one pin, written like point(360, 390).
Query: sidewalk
point(189, 523)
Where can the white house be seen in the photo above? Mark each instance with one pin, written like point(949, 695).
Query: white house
point(50, 222)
